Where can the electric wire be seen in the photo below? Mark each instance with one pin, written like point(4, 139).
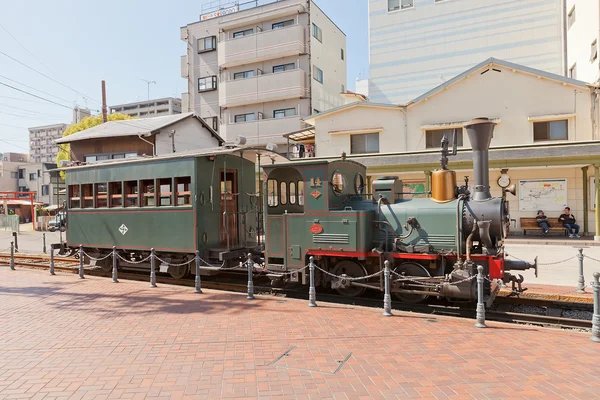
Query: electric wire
point(34, 95)
point(33, 88)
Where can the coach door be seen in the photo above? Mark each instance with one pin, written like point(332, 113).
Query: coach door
point(229, 208)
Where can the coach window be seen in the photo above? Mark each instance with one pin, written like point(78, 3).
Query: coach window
point(88, 195)
point(74, 196)
point(338, 183)
point(101, 195)
point(272, 193)
point(184, 192)
point(292, 193)
point(131, 194)
point(115, 190)
point(148, 195)
point(166, 194)
point(283, 193)
point(300, 193)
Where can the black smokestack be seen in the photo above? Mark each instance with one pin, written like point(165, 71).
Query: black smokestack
point(481, 131)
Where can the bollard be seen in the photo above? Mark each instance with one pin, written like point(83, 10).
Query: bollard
point(250, 283)
point(312, 293)
point(16, 239)
point(81, 262)
point(581, 279)
point(480, 306)
point(596, 317)
point(387, 299)
point(115, 261)
point(12, 256)
point(152, 268)
point(198, 279)
point(44, 242)
point(52, 261)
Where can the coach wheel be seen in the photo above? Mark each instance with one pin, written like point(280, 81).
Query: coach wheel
point(178, 272)
point(409, 269)
point(352, 270)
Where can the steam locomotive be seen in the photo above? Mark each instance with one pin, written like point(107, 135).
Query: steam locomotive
point(207, 201)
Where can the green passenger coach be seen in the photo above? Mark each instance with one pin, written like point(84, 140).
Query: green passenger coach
point(175, 204)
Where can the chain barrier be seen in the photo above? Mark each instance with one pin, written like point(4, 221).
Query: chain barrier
point(134, 262)
point(404, 278)
point(348, 278)
point(285, 273)
point(174, 265)
point(540, 263)
point(97, 259)
point(591, 258)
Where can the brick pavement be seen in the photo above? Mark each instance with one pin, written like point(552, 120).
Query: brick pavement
point(61, 338)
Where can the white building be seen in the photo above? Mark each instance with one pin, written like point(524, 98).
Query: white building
point(256, 72)
point(583, 30)
point(415, 45)
point(41, 142)
point(150, 108)
point(9, 170)
point(35, 177)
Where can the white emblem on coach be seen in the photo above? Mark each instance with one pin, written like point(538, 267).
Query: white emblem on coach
point(123, 229)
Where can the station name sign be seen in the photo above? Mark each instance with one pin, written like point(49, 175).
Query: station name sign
point(220, 13)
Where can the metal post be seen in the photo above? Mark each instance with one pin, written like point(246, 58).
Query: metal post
point(12, 256)
point(44, 241)
point(16, 240)
point(581, 279)
point(52, 261)
point(198, 279)
point(250, 283)
point(312, 293)
point(387, 299)
point(596, 317)
point(115, 277)
point(81, 262)
point(480, 306)
point(152, 268)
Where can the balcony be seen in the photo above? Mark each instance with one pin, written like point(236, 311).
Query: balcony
point(264, 88)
point(262, 46)
point(263, 131)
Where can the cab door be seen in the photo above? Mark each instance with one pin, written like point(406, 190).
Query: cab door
point(229, 208)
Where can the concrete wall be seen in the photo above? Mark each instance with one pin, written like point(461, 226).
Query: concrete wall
point(580, 36)
point(415, 49)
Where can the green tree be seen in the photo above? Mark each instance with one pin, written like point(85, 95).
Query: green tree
point(64, 152)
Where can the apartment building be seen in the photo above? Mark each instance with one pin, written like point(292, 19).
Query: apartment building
point(35, 177)
point(415, 45)
point(150, 108)
point(9, 170)
point(255, 70)
point(41, 142)
point(583, 30)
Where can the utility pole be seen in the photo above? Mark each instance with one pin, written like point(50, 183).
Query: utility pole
point(148, 83)
point(104, 101)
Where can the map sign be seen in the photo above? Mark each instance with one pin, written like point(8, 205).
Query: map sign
point(542, 194)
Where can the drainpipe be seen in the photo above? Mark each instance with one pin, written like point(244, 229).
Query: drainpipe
point(405, 115)
point(150, 143)
point(585, 199)
point(597, 190)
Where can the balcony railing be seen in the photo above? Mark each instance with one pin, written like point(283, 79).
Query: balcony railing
point(263, 131)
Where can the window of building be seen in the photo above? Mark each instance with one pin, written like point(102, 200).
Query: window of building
point(116, 194)
point(88, 195)
point(272, 193)
point(243, 33)
point(14, 175)
point(131, 155)
point(39, 173)
point(284, 67)
point(573, 71)
point(317, 33)
point(317, 74)
point(207, 44)
point(394, 5)
point(433, 138)
point(74, 196)
point(594, 51)
point(287, 112)
point(166, 193)
point(551, 130)
point(292, 193)
point(338, 182)
point(23, 189)
point(183, 195)
point(364, 143)
point(148, 194)
point(131, 194)
point(32, 176)
point(244, 117)
point(207, 83)
point(282, 24)
point(213, 122)
point(300, 193)
point(117, 156)
point(101, 195)
point(571, 18)
point(21, 173)
point(243, 75)
point(343, 89)
point(283, 193)
point(45, 190)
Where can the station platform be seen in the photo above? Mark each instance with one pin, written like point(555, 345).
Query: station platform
point(62, 337)
point(551, 293)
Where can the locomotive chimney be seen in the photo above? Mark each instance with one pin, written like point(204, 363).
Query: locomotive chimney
point(481, 131)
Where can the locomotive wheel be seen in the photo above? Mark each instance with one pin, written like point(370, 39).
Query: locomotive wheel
point(353, 270)
point(178, 272)
point(410, 269)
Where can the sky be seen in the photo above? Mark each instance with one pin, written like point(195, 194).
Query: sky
point(77, 44)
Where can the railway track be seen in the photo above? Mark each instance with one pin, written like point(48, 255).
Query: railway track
point(502, 311)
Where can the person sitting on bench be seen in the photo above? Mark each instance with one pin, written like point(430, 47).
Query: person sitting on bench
point(542, 222)
point(568, 221)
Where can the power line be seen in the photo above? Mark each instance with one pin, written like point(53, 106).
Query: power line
point(31, 94)
point(49, 77)
point(14, 126)
point(28, 110)
point(12, 144)
point(31, 87)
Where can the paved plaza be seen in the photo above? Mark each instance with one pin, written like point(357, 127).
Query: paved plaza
point(61, 337)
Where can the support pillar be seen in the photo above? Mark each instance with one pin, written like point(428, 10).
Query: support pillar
point(585, 200)
point(597, 211)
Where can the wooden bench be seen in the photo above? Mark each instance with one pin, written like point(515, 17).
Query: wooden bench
point(530, 224)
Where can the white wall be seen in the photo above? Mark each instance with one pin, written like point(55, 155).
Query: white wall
point(190, 134)
point(580, 36)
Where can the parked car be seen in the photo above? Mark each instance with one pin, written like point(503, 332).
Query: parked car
point(58, 222)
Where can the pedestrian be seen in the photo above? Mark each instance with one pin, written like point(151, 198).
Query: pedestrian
point(568, 221)
point(542, 222)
